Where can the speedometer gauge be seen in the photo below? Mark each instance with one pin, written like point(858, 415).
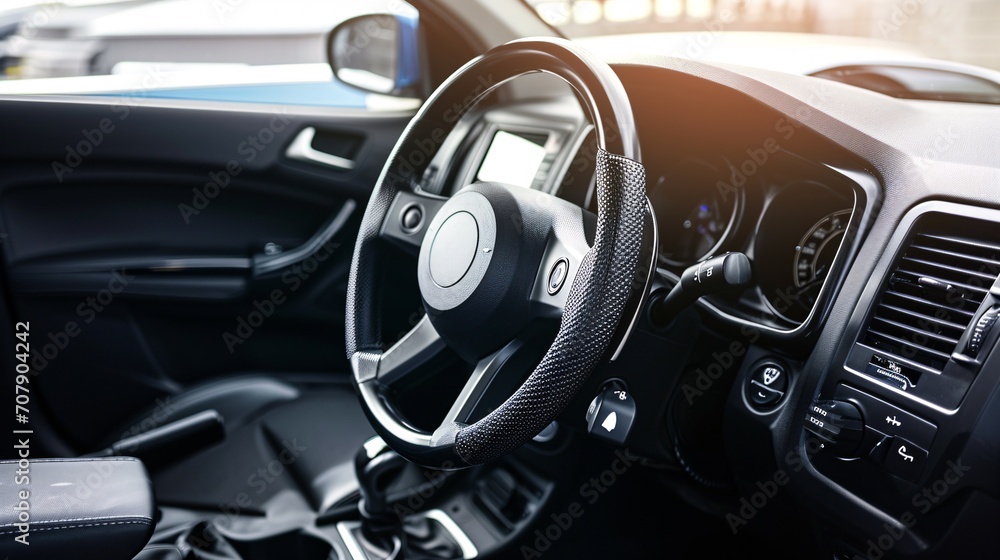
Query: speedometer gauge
point(815, 252)
point(798, 239)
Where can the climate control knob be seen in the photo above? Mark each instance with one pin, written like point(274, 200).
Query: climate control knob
point(838, 425)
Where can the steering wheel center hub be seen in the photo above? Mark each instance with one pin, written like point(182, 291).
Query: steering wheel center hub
point(454, 249)
point(477, 265)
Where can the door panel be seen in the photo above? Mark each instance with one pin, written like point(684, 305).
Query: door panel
point(142, 242)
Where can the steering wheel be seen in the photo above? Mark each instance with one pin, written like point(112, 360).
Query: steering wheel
point(495, 257)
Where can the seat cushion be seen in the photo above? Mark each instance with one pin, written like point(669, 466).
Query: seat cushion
point(160, 552)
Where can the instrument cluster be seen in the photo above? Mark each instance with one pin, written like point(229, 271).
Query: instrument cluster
point(789, 218)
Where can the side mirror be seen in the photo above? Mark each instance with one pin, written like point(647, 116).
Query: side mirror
point(380, 53)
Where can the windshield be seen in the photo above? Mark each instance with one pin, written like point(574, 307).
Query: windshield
point(954, 30)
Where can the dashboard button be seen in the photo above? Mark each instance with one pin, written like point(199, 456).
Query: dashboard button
point(557, 276)
point(771, 376)
point(888, 419)
point(762, 396)
point(905, 459)
point(837, 424)
point(411, 218)
point(981, 330)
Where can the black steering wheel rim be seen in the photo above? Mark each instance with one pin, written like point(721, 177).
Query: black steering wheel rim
point(597, 297)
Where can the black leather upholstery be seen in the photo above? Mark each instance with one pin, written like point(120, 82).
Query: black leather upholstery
point(237, 399)
point(160, 552)
point(78, 508)
point(288, 447)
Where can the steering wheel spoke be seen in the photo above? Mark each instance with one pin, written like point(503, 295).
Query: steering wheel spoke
point(409, 215)
point(487, 388)
point(565, 250)
point(407, 357)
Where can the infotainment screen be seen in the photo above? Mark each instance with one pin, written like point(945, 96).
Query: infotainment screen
point(513, 159)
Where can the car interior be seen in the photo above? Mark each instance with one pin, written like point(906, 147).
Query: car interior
point(583, 302)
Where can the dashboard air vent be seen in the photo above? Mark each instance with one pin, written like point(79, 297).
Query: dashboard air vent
point(932, 296)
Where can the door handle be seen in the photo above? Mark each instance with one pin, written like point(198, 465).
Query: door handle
point(301, 150)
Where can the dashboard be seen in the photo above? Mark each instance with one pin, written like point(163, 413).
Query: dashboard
point(828, 205)
point(792, 216)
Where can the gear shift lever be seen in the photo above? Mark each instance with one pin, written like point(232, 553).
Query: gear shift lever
point(374, 465)
point(384, 533)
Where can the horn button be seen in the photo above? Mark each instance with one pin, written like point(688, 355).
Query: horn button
point(454, 249)
point(478, 263)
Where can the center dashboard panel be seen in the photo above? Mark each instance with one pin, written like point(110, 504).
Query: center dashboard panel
point(733, 176)
point(904, 416)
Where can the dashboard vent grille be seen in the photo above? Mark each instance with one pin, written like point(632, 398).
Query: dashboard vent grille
point(932, 296)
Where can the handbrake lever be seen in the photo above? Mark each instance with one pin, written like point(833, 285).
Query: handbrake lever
point(170, 442)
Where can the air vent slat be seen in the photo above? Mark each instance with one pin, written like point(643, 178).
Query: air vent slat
point(907, 329)
point(967, 243)
point(916, 276)
point(974, 262)
point(930, 304)
point(949, 270)
point(909, 344)
point(933, 293)
point(920, 316)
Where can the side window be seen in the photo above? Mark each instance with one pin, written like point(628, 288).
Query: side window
point(254, 51)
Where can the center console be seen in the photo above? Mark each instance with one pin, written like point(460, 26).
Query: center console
point(400, 511)
point(905, 420)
